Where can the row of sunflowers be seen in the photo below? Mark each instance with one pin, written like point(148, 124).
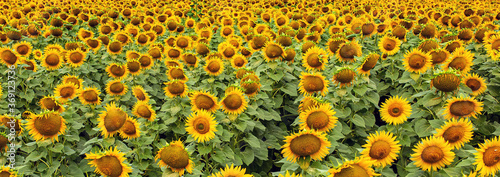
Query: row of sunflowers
point(250, 88)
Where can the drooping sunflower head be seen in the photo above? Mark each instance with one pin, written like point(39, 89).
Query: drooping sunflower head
point(306, 143)
point(382, 147)
point(319, 118)
point(451, 46)
point(176, 73)
point(428, 45)
point(311, 83)
point(66, 91)
point(487, 157)
point(144, 110)
point(214, 66)
point(175, 157)
point(347, 51)
point(315, 58)
point(130, 129)
point(461, 59)
point(52, 60)
point(50, 103)
point(456, 132)
point(94, 44)
point(369, 63)
point(334, 45)
point(234, 102)
point(432, 154)
point(140, 93)
point(117, 71)
point(462, 107)
point(465, 35)
point(201, 125)
point(47, 125)
point(416, 61)
point(90, 95)
point(23, 48)
point(109, 163)
point(116, 88)
point(344, 76)
point(111, 120)
point(475, 83)
point(357, 167)
point(309, 102)
point(175, 88)
point(439, 56)
point(190, 59)
point(395, 110)
point(201, 100)
point(389, 45)
point(134, 67)
point(273, 51)
point(446, 81)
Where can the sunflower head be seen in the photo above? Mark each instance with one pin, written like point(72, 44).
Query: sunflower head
point(238, 61)
point(6, 170)
point(176, 73)
point(357, 167)
point(439, 56)
point(201, 125)
point(447, 81)
point(47, 125)
point(144, 110)
point(492, 47)
point(146, 61)
point(23, 48)
point(66, 91)
point(130, 129)
point(462, 106)
point(334, 45)
point(109, 163)
point(319, 118)
point(395, 110)
point(461, 59)
point(117, 71)
point(381, 147)
point(273, 51)
point(344, 76)
point(432, 153)
point(417, 61)
point(52, 60)
point(315, 58)
point(50, 103)
point(487, 157)
point(175, 157)
point(456, 132)
point(214, 66)
point(234, 102)
point(111, 120)
point(389, 45)
point(347, 51)
point(116, 88)
point(175, 88)
point(311, 83)
point(475, 83)
point(304, 144)
point(201, 100)
point(369, 63)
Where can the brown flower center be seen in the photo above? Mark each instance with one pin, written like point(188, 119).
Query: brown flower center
point(116, 87)
point(144, 111)
point(50, 104)
point(432, 154)
point(458, 63)
point(67, 92)
point(139, 95)
point(114, 119)
point(491, 156)
point(273, 51)
point(175, 157)
point(156, 53)
point(128, 128)
point(380, 149)
point(368, 28)
point(182, 42)
point(446, 82)
point(110, 166)
point(3, 143)
point(76, 57)
point(142, 39)
point(451, 47)
point(370, 62)
point(48, 124)
point(416, 61)
point(90, 96)
point(93, 43)
point(389, 44)
point(395, 110)
point(347, 52)
point(177, 73)
point(317, 120)
point(133, 66)
point(145, 61)
point(115, 47)
point(462, 108)
point(305, 145)
point(233, 101)
point(23, 49)
point(454, 134)
point(176, 88)
point(345, 76)
point(473, 84)
point(334, 45)
point(239, 62)
point(495, 45)
point(201, 125)
point(313, 83)
point(52, 60)
point(229, 52)
point(204, 102)
point(313, 60)
point(117, 71)
point(438, 57)
point(353, 170)
point(213, 66)
point(251, 88)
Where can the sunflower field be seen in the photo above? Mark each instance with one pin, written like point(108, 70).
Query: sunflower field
point(241, 88)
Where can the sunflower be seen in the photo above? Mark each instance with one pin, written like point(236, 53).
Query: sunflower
point(173, 53)
point(356, 167)
point(122, 37)
point(389, 45)
point(234, 102)
point(382, 148)
point(175, 157)
point(447, 81)
point(432, 153)
point(475, 83)
point(115, 47)
point(176, 73)
point(109, 163)
point(439, 56)
point(369, 63)
point(134, 67)
point(52, 60)
point(287, 174)
point(451, 46)
point(201, 125)
point(273, 51)
point(456, 132)
point(90, 96)
point(23, 48)
point(173, 63)
point(50, 103)
point(251, 87)
point(487, 157)
point(111, 120)
point(84, 34)
point(175, 88)
point(492, 47)
point(130, 129)
point(190, 59)
point(344, 76)
point(395, 110)
point(116, 88)
point(37, 54)
point(464, 107)
point(76, 57)
point(47, 125)
point(309, 102)
point(238, 61)
point(144, 110)
point(231, 172)
point(334, 45)
point(311, 83)
point(146, 61)
point(66, 91)
point(315, 58)
point(214, 66)
point(461, 59)
point(428, 45)
point(94, 44)
point(6, 170)
point(140, 93)
point(201, 100)
point(304, 144)
point(319, 118)
point(417, 61)
point(117, 71)
point(347, 51)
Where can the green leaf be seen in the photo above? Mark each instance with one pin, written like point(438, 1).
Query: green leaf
point(248, 155)
point(360, 89)
point(228, 152)
point(277, 75)
point(68, 151)
point(423, 128)
point(358, 121)
point(202, 149)
point(34, 156)
point(290, 89)
point(174, 110)
point(253, 141)
point(57, 148)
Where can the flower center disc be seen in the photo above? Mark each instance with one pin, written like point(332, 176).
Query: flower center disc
point(345, 76)
point(317, 120)
point(176, 88)
point(117, 70)
point(110, 166)
point(473, 84)
point(446, 82)
point(115, 46)
point(432, 154)
point(23, 49)
point(454, 134)
point(416, 61)
point(175, 157)
point(229, 52)
point(128, 128)
point(353, 170)
point(116, 87)
point(50, 104)
point(334, 46)
point(305, 145)
point(462, 108)
point(90, 96)
point(190, 59)
point(380, 149)
point(145, 61)
point(313, 83)
point(114, 119)
point(395, 110)
point(49, 124)
point(238, 62)
point(389, 44)
point(67, 92)
point(495, 45)
point(182, 42)
point(313, 60)
point(76, 57)
point(458, 63)
point(52, 60)
point(233, 101)
point(143, 111)
point(201, 125)
point(370, 62)
point(491, 156)
point(347, 52)
point(133, 66)
point(177, 73)
point(251, 88)
point(273, 51)
point(174, 53)
point(438, 57)
point(5, 174)
point(214, 66)
point(204, 102)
